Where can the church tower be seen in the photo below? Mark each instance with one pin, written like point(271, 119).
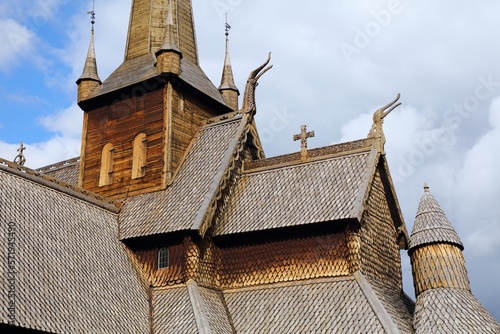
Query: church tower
point(139, 123)
point(440, 277)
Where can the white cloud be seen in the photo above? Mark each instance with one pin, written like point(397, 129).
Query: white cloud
point(16, 40)
point(478, 182)
point(66, 122)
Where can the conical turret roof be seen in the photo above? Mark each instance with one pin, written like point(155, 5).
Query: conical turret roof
point(90, 68)
point(170, 40)
point(227, 81)
point(431, 224)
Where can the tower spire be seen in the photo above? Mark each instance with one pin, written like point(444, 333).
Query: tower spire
point(227, 87)
point(89, 79)
point(169, 55)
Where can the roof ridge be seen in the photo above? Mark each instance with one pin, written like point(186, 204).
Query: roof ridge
point(58, 165)
point(317, 154)
point(59, 185)
point(265, 286)
point(375, 303)
point(319, 160)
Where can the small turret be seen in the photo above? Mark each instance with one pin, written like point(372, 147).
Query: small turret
point(227, 87)
point(89, 79)
point(435, 249)
point(445, 303)
point(169, 55)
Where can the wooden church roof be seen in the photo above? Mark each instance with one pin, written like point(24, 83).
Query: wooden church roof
point(70, 273)
point(431, 224)
point(183, 205)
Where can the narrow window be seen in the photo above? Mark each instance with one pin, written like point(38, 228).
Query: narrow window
point(106, 174)
point(163, 258)
point(139, 156)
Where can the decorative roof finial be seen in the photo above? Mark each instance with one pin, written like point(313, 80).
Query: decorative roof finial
point(303, 139)
point(20, 159)
point(92, 16)
point(378, 120)
point(228, 27)
point(426, 187)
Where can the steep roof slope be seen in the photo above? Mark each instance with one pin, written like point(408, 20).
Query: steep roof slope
point(336, 305)
point(183, 205)
point(305, 193)
point(65, 267)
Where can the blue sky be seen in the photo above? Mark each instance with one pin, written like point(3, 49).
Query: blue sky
point(334, 63)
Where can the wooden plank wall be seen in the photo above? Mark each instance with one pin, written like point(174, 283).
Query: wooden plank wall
point(119, 124)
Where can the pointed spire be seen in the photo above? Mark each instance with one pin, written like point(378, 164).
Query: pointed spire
point(431, 224)
point(89, 78)
point(227, 87)
point(170, 39)
point(169, 55)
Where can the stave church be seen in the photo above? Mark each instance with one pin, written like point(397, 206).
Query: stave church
point(173, 220)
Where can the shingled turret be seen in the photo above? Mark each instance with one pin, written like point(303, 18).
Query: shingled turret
point(89, 79)
point(169, 55)
point(445, 303)
point(227, 87)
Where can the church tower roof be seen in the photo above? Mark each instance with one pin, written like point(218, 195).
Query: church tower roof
point(90, 68)
point(431, 224)
point(227, 87)
point(146, 33)
point(170, 39)
point(161, 42)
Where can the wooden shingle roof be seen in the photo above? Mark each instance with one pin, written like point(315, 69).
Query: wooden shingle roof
point(142, 69)
point(337, 305)
point(445, 310)
point(173, 312)
point(70, 273)
point(331, 187)
point(182, 206)
point(66, 171)
point(431, 224)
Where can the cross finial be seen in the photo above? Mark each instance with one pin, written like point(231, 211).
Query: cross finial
point(20, 159)
point(303, 140)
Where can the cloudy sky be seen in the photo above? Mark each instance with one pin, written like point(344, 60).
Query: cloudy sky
point(335, 62)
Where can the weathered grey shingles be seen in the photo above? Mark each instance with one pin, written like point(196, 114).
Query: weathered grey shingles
point(301, 194)
point(67, 172)
point(176, 208)
point(335, 306)
point(173, 312)
point(142, 68)
point(431, 224)
point(215, 309)
point(73, 276)
point(397, 305)
point(445, 310)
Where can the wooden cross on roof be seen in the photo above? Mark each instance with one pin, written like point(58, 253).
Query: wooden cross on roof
point(20, 159)
point(303, 139)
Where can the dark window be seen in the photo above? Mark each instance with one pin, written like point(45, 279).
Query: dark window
point(163, 258)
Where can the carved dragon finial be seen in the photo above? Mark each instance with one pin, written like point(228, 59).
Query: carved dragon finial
point(378, 120)
point(249, 97)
